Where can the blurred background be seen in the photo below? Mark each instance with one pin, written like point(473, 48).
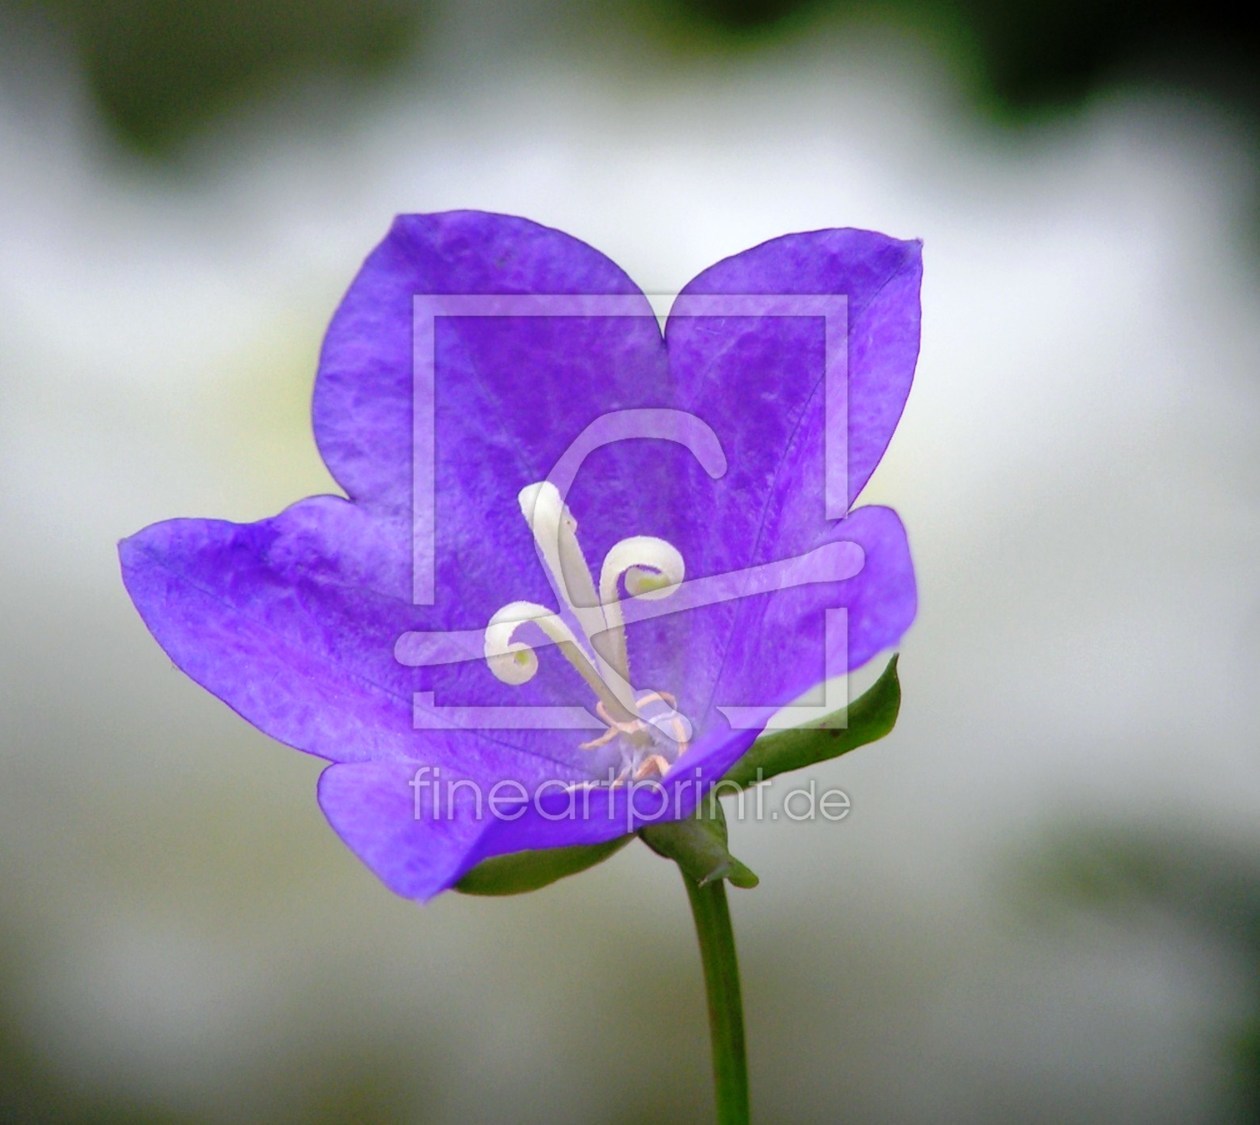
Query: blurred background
point(1045, 904)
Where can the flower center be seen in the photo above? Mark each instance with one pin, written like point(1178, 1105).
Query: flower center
point(645, 728)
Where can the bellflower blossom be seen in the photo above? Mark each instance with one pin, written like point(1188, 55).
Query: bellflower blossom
point(580, 561)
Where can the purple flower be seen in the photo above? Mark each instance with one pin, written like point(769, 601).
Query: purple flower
point(486, 676)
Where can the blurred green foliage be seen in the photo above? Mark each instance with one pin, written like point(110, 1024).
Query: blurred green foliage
point(1034, 54)
point(343, 1074)
point(31, 1088)
point(1202, 882)
point(158, 69)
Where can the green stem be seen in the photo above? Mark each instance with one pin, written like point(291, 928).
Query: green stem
point(726, 1010)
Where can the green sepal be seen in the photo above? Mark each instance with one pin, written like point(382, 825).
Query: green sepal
point(530, 870)
point(866, 719)
point(698, 846)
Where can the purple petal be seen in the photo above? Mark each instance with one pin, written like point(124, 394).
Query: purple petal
point(419, 829)
point(292, 622)
point(764, 373)
point(510, 392)
point(758, 382)
point(509, 395)
point(782, 647)
point(388, 817)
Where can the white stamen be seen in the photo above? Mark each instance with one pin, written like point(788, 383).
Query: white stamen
point(515, 662)
point(651, 568)
point(555, 533)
